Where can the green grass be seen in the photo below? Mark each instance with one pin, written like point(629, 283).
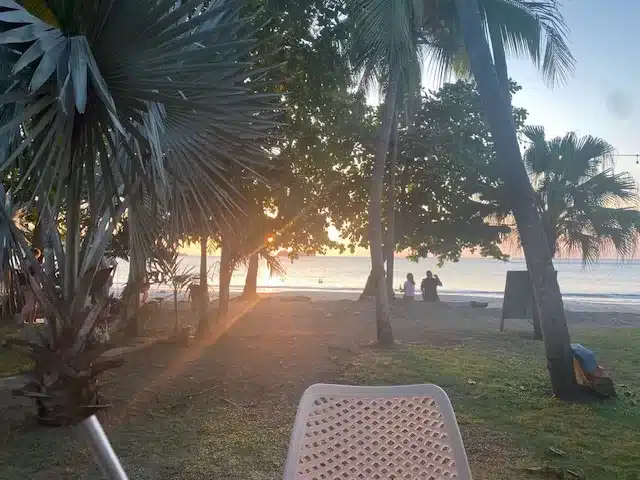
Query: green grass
point(193, 444)
point(499, 382)
point(11, 361)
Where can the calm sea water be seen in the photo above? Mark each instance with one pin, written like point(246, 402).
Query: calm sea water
point(609, 281)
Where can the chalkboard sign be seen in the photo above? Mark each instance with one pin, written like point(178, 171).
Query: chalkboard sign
point(518, 299)
point(518, 296)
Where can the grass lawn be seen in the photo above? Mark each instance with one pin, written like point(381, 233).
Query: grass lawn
point(11, 361)
point(500, 384)
point(226, 411)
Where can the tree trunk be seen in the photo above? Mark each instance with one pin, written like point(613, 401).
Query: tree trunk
point(225, 280)
point(499, 57)
point(547, 294)
point(131, 294)
point(250, 290)
point(203, 322)
point(131, 307)
point(176, 324)
point(383, 317)
point(369, 288)
point(390, 241)
point(537, 328)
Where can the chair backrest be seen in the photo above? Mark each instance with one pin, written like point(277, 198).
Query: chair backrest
point(376, 433)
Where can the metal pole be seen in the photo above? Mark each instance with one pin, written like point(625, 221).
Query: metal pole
point(102, 452)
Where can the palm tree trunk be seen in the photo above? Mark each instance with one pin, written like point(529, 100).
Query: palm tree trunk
point(250, 290)
point(225, 279)
point(72, 240)
point(203, 322)
point(383, 316)
point(390, 241)
point(499, 56)
point(539, 263)
point(176, 323)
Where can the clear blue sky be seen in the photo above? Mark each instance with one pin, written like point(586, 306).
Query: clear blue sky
point(603, 97)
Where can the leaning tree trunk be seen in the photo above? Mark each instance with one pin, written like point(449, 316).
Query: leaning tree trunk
point(383, 316)
point(203, 322)
point(390, 241)
point(250, 290)
point(498, 110)
point(499, 56)
point(225, 279)
point(500, 60)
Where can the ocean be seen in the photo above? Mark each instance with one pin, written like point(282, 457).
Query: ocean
point(609, 282)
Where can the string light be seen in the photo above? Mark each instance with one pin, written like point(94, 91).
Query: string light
point(636, 155)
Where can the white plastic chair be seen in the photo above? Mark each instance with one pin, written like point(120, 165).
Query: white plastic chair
point(381, 433)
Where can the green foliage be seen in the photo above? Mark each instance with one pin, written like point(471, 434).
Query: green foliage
point(447, 182)
point(166, 268)
point(303, 40)
point(586, 207)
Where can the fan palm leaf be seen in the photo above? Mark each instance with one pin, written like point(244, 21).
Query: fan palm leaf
point(586, 208)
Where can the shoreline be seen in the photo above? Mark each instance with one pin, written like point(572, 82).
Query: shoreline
point(584, 304)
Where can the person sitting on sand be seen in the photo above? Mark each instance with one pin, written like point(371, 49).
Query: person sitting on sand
point(409, 288)
point(429, 287)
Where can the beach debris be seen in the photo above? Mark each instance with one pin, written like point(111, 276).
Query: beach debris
point(555, 472)
point(474, 304)
point(557, 451)
point(471, 381)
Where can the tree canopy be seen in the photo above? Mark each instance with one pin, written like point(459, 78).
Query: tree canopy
point(447, 192)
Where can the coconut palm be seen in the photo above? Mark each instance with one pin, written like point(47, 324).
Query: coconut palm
point(585, 207)
point(114, 100)
point(522, 199)
point(389, 41)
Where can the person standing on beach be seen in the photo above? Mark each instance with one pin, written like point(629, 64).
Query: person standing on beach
point(409, 288)
point(429, 287)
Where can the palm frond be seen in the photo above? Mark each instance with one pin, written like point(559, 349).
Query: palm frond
point(535, 29)
point(586, 209)
point(140, 94)
point(274, 265)
point(385, 37)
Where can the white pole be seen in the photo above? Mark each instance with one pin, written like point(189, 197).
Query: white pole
point(102, 452)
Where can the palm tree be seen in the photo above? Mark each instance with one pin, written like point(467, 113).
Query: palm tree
point(522, 198)
point(117, 101)
point(585, 207)
point(385, 51)
point(389, 40)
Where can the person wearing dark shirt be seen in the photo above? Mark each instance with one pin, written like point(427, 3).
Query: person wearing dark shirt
point(429, 287)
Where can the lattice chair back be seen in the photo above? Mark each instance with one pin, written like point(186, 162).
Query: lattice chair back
point(376, 433)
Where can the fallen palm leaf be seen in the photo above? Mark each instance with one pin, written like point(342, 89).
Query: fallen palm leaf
point(557, 451)
point(554, 472)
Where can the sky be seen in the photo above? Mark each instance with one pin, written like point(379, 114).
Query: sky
point(603, 97)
